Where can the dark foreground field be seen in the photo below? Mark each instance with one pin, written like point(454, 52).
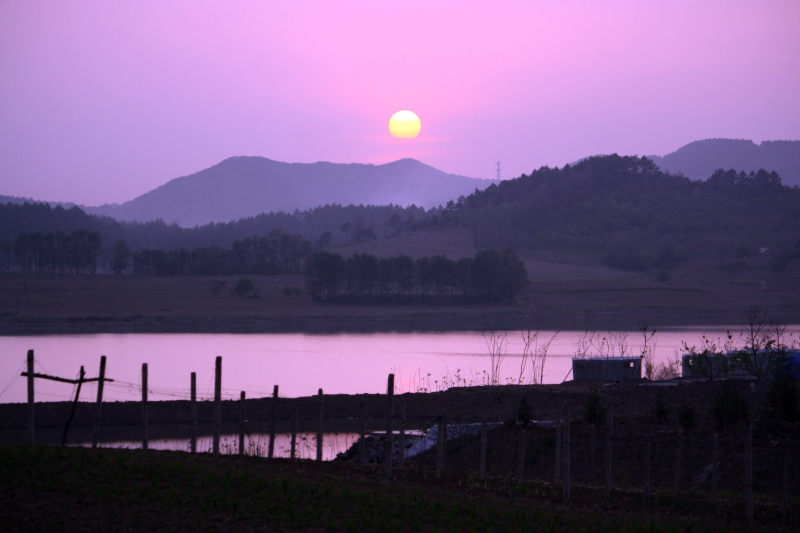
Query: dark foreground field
point(56, 489)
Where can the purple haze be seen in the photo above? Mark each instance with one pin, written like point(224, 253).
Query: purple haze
point(103, 101)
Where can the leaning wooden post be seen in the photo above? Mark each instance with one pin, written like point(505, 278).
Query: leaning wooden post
point(440, 438)
point(566, 458)
point(217, 404)
point(609, 433)
point(144, 406)
point(362, 444)
point(678, 454)
point(99, 407)
point(482, 461)
point(74, 405)
point(31, 422)
point(401, 461)
point(319, 429)
point(748, 472)
point(241, 426)
point(293, 445)
point(271, 449)
point(717, 466)
point(389, 429)
point(193, 414)
point(557, 473)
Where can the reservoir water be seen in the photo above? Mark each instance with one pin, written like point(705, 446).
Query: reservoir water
point(302, 363)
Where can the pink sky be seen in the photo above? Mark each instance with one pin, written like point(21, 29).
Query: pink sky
point(103, 101)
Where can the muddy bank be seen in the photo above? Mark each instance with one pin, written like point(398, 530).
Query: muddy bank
point(342, 413)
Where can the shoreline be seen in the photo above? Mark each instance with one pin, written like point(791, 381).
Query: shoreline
point(429, 322)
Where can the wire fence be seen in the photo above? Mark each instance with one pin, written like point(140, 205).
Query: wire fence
point(622, 455)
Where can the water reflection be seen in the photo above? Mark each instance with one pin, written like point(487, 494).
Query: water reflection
point(256, 444)
point(346, 363)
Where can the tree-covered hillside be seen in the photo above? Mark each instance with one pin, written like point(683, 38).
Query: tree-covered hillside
point(635, 215)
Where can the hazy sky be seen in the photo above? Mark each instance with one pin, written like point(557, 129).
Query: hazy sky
point(103, 101)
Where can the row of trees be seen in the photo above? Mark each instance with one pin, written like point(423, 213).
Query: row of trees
point(52, 253)
point(491, 275)
point(278, 253)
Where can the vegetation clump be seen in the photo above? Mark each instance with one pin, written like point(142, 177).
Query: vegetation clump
point(491, 275)
point(244, 287)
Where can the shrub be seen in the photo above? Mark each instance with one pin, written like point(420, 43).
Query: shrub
point(730, 405)
point(687, 416)
point(595, 410)
point(244, 287)
point(291, 290)
point(660, 408)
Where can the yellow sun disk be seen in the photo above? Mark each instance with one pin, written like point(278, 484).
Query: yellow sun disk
point(405, 125)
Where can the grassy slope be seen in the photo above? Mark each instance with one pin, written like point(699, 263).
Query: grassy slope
point(52, 489)
point(567, 291)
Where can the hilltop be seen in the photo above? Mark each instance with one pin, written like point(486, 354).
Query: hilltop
point(699, 159)
point(240, 187)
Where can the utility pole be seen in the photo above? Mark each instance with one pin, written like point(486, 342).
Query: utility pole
point(498, 169)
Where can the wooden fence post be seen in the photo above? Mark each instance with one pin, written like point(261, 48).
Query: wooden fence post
point(144, 407)
point(678, 457)
point(193, 413)
point(362, 445)
point(748, 472)
point(482, 461)
point(99, 407)
point(647, 468)
point(389, 429)
point(521, 453)
point(293, 445)
point(217, 403)
point(566, 458)
point(440, 438)
point(319, 429)
point(243, 421)
point(401, 460)
point(271, 449)
point(785, 484)
point(609, 433)
point(557, 474)
point(716, 464)
point(31, 421)
point(72, 412)
point(593, 454)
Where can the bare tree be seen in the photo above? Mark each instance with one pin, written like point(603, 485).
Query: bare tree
point(497, 343)
point(648, 349)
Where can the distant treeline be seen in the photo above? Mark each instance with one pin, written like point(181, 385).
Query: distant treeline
point(491, 275)
point(325, 226)
point(52, 253)
point(278, 253)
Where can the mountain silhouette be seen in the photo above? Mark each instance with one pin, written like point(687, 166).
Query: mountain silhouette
point(246, 186)
point(699, 159)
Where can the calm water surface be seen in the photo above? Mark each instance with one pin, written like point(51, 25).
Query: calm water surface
point(299, 363)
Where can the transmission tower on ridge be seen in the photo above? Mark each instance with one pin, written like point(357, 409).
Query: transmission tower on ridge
point(498, 169)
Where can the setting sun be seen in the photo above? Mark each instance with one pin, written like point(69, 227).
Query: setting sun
point(405, 125)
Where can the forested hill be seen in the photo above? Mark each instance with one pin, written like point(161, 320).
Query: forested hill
point(699, 159)
point(246, 186)
point(634, 214)
point(331, 225)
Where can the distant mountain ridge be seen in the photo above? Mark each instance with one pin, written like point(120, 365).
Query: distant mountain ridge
point(699, 159)
point(245, 186)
